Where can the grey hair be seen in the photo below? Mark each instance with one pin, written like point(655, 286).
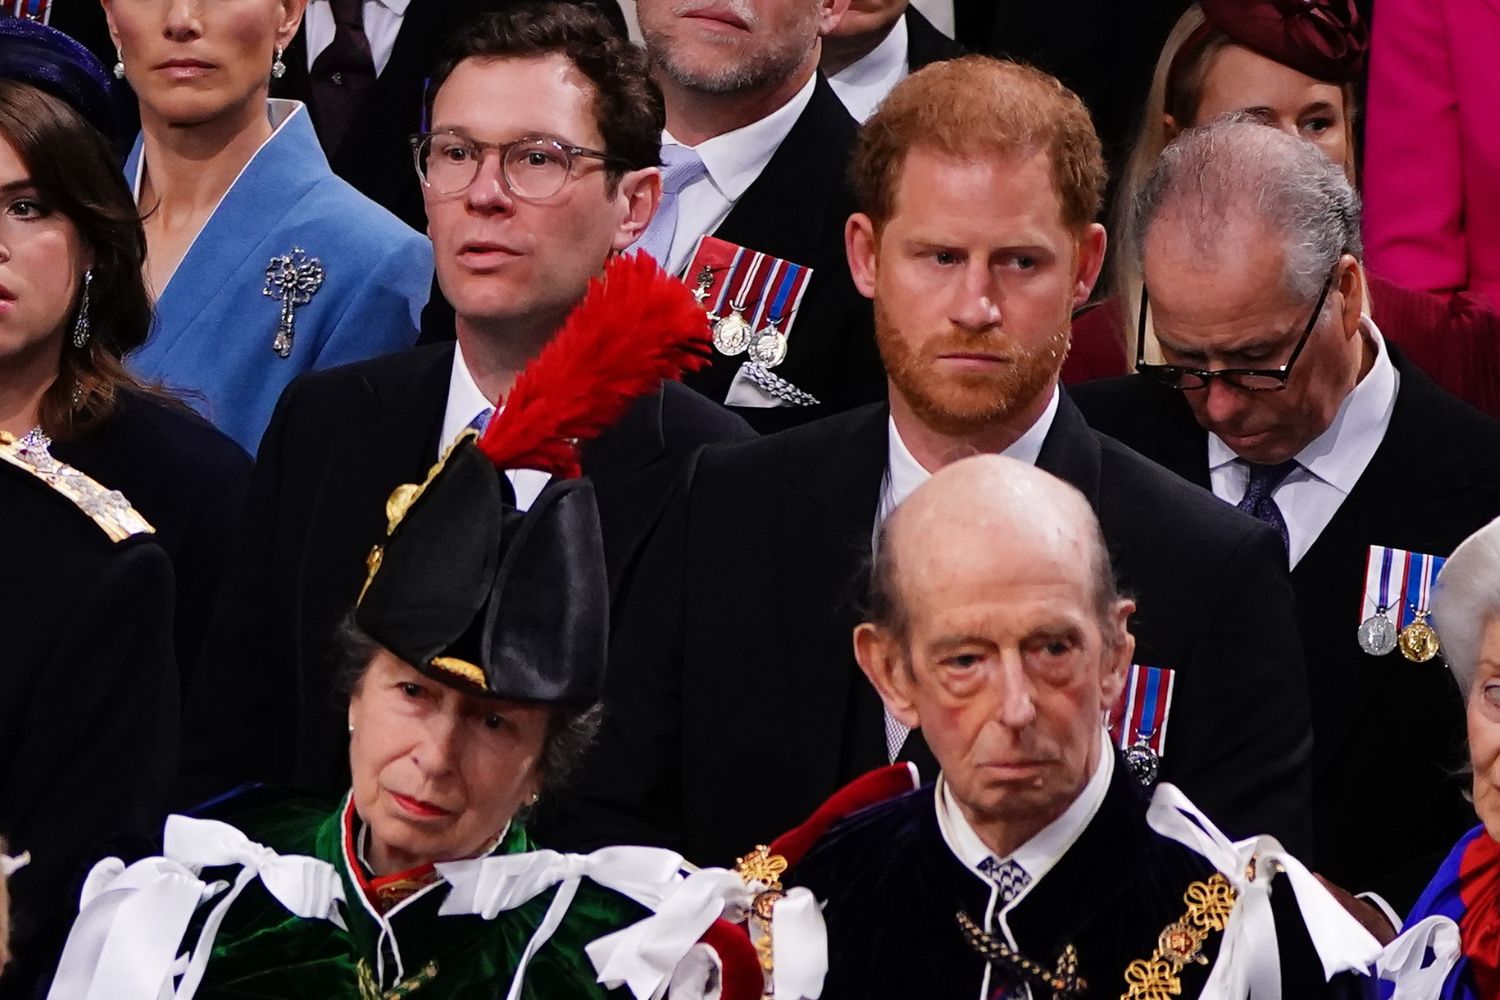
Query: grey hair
point(1466, 599)
point(1235, 168)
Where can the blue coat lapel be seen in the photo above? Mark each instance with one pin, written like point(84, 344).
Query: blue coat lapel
point(269, 188)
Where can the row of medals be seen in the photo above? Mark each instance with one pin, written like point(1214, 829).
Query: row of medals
point(733, 334)
point(1418, 641)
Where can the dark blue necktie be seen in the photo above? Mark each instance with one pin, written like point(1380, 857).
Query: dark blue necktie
point(1257, 500)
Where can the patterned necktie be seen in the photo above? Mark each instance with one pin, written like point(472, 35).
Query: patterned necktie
point(1010, 878)
point(481, 420)
point(680, 166)
point(341, 75)
point(1257, 501)
point(1008, 875)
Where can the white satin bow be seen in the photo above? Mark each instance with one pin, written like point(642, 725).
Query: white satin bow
point(644, 955)
point(10, 864)
point(131, 921)
point(1249, 963)
point(1403, 961)
point(491, 885)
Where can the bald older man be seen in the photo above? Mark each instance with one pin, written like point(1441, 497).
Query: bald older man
point(1032, 864)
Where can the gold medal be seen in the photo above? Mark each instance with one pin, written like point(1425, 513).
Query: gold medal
point(1418, 641)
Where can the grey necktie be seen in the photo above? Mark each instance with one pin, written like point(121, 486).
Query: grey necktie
point(680, 166)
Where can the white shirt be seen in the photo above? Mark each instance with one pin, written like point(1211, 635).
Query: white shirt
point(465, 402)
point(1330, 465)
point(903, 474)
point(382, 25)
point(863, 84)
point(1037, 856)
point(734, 160)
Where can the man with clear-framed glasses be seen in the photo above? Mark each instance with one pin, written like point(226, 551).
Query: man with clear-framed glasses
point(538, 163)
point(1262, 377)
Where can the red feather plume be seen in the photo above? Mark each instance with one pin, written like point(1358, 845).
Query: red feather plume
point(636, 327)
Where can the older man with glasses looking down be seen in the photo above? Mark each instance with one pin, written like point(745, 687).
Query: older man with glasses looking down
point(1264, 380)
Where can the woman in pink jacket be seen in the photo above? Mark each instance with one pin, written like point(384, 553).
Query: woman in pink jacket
point(1432, 148)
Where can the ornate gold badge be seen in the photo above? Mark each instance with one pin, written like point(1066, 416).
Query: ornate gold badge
point(1209, 904)
point(399, 503)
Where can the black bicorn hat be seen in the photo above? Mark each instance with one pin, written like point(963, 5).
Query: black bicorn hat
point(513, 604)
point(45, 58)
point(478, 594)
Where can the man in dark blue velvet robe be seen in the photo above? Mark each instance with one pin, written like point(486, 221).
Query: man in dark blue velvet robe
point(1039, 865)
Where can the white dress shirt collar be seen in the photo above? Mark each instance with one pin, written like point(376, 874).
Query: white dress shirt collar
point(465, 402)
point(1340, 454)
point(1042, 852)
point(863, 84)
point(904, 473)
point(736, 158)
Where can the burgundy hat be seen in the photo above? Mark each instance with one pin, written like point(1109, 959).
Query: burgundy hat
point(1326, 39)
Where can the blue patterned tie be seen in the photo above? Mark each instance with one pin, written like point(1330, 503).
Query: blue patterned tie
point(1010, 878)
point(680, 166)
point(1257, 501)
point(481, 420)
point(1008, 875)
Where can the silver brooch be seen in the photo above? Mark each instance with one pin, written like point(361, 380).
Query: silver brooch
point(291, 279)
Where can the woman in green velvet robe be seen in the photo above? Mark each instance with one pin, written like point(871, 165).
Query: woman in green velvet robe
point(474, 663)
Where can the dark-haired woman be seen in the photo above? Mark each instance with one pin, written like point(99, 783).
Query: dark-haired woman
point(264, 264)
point(1293, 66)
point(75, 250)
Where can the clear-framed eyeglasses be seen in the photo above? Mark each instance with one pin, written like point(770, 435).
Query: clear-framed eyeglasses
point(535, 167)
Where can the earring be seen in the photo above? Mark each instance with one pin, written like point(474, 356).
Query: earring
point(351, 729)
point(81, 324)
point(278, 68)
point(119, 65)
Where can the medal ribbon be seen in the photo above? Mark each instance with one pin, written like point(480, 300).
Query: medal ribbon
point(1416, 577)
point(764, 299)
point(734, 266)
point(784, 292)
point(743, 296)
point(34, 10)
point(1383, 602)
point(1146, 725)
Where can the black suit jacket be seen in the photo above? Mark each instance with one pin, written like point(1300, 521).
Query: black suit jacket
point(186, 477)
point(796, 210)
point(1388, 735)
point(734, 706)
point(893, 889)
point(338, 443)
point(88, 709)
point(375, 156)
point(925, 44)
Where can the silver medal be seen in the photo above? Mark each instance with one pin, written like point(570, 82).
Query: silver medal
point(1143, 762)
point(732, 334)
point(1377, 634)
point(770, 347)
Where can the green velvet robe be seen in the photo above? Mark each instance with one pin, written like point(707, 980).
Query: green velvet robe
point(264, 952)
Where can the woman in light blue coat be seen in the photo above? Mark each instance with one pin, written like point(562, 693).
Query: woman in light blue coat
point(264, 263)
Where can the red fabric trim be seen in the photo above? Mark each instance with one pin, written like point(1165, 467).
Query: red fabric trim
point(372, 887)
point(741, 975)
point(1479, 927)
point(867, 790)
